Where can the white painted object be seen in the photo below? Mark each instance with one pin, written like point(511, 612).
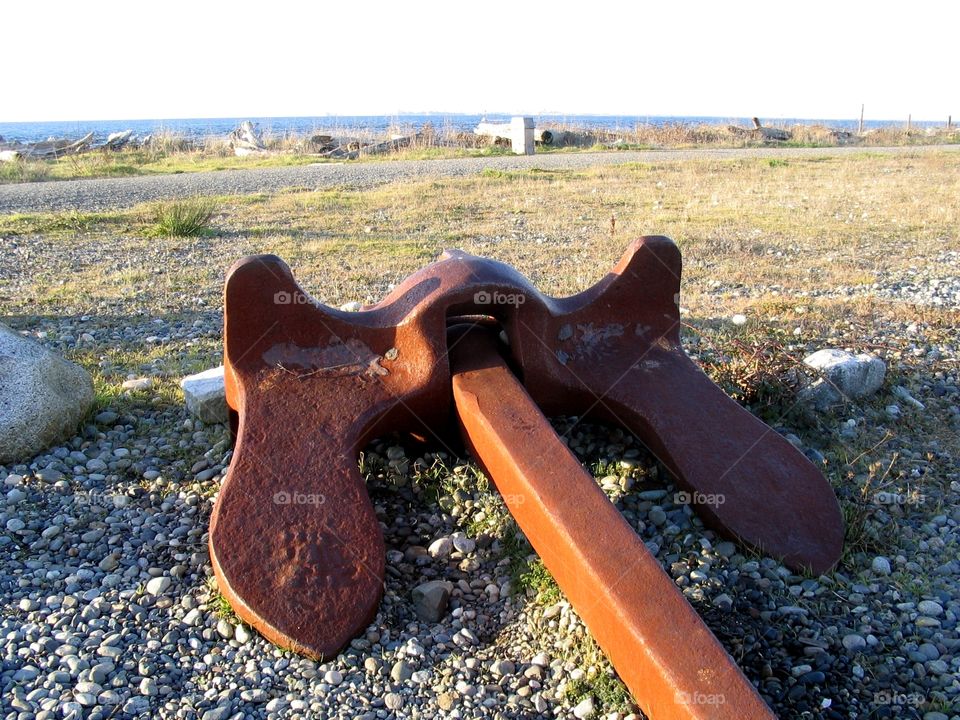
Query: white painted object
point(521, 135)
point(206, 395)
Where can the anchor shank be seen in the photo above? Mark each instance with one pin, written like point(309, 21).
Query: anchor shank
point(671, 662)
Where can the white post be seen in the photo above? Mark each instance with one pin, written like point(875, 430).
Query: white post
point(521, 135)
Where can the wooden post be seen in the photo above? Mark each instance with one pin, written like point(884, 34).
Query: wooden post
point(860, 127)
point(949, 121)
point(909, 122)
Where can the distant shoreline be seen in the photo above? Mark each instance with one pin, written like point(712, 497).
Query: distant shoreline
point(198, 128)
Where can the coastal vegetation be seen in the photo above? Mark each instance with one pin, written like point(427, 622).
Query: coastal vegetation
point(168, 152)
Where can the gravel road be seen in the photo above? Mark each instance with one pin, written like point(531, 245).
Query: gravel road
point(105, 193)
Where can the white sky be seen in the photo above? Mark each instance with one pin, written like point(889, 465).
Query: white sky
point(171, 59)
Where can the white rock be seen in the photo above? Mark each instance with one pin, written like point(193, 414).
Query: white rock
point(158, 585)
point(225, 629)
point(845, 377)
point(241, 634)
point(206, 396)
point(42, 397)
point(441, 547)
point(353, 306)
point(136, 384)
point(584, 709)
point(739, 319)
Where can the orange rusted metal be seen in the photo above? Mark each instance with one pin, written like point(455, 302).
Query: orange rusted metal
point(294, 540)
point(670, 661)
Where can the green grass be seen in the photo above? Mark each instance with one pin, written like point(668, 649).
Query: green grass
point(183, 218)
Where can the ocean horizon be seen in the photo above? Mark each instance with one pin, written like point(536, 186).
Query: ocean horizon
point(206, 127)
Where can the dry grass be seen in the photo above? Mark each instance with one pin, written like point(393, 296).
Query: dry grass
point(759, 228)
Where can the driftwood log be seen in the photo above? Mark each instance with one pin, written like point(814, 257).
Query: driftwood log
point(246, 139)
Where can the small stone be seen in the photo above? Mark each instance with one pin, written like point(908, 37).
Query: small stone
point(930, 608)
point(107, 417)
point(846, 376)
point(541, 660)
point(28, 605)
point(584, 709)
point(241, 634)
point(15, 525)
point(393, 701)
point(441, 547)
point(445, 701)
point(401, 671)
point(225, 629)
point(205, 395)
point(464, 545)
point(854, 642)
point(657, 515)
point(51, 532)
point(15, 496)
point(723, 601)
point(137, 384)
point(148, 687)
point(371, 665)
point(352, 306)
point(158, 585)
point(430, 600)
point(739, 319)
point(502, 667)
point(881, 566)
point(333, 677)
point(726, 549)
point(192, 617)
point(221, 712)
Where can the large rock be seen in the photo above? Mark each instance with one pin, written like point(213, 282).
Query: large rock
point(205, 395)
point(42, 397)
point(845, 377)
point(430, 600)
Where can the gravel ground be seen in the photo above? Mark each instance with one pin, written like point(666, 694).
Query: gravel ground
point(102, 194)
point(107, 609)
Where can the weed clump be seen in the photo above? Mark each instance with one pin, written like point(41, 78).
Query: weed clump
point(183, 218)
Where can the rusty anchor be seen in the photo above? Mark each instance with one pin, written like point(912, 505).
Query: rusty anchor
point(294, 540)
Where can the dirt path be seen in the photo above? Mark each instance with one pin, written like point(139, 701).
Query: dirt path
point(105, 193)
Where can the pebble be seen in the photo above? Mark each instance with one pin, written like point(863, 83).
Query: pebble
point(225, 629)
point(241, 634)
point(401, 671)
point(880, 565)
point(333, 677)
point(930, 608)
point(441, 547)
point(158, 585)
point(854, 642)
point(137, 384)
point(148, 686)
point(393, 701)
point(584, 709)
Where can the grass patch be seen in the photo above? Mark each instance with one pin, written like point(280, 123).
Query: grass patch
point(183, 218)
